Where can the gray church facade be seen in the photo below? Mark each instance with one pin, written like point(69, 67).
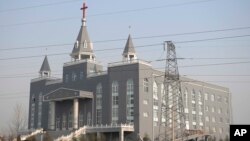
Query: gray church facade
point(125, 94)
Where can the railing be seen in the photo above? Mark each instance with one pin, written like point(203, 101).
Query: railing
point(79, 61)
point(129, 62)
point(97, 73)
point(42, 78)
point(83, 130)
point(110, 125)
point(34, 133)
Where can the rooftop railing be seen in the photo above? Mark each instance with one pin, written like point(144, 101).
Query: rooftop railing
point(129, 62)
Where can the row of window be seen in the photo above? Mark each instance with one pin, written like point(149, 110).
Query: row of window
point(207, 96)
point(129, 101)
point(73, 76)
point(219, 119)
point(39, 112)
point(66, 121)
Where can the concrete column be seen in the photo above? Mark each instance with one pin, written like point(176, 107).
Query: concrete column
point(121, 135)
point(75, 112)
point(52, 108)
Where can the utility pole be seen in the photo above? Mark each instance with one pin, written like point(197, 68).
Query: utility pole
point(172, 121)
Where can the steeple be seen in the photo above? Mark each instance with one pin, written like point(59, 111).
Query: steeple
point(45, 68)
point(129, 50)
point(83, 47)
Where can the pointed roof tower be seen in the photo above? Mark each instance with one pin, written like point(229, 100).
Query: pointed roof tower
point(129, 50)
point(45, 68)
point(83, 48)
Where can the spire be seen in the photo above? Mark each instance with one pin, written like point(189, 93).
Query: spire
point(45, 68)
point(83, 48)
point(129, 50)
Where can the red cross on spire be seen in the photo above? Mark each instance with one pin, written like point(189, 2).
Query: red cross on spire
point(84, 7)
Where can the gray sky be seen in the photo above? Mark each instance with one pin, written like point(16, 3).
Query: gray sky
point(39, 23)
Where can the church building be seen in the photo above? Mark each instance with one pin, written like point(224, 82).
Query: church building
point(121, 102)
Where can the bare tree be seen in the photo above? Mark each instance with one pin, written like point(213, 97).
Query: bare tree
point(18, 120)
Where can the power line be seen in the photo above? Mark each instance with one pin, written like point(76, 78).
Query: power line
point(94, 15)
point(201, 40)
point(142, 37)
point(37, 6)
point(211, 39)
point(126, 70)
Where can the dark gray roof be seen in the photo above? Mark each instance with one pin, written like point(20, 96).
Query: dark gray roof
point(82, 38)
point(129, 48)
point(45, 65)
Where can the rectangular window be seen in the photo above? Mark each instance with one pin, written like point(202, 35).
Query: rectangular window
point(145, 85)
point(115, 100)
point(212, 97)
point(193, 107)
point(212, 109)
point(66, 78)
point(194, 118)
point(145, 114)
point(81, 75)
point(219, 98)
point(213, 119)
point(207, 118)
point(74, 76)
point(145, 102)
point(206, 108)
point(206, 96)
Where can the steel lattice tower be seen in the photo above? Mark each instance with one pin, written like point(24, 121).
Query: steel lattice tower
point(172, 123)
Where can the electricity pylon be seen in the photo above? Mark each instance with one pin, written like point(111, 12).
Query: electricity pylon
point(172, 120)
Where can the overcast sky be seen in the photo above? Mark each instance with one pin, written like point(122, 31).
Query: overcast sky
point(40, 23)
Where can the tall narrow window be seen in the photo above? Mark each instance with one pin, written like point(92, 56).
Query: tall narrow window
point(81, 75)
point(130, 101)
point(99, 103)
point(145, 85)
point(186, 98)
point(155, 104)
point(40, 105)
point(193, 95)
point(70, 118)
point(115, 106)
point(64, 121)
point(66, 78)
point(212, 97)
point(85, 44)
point(163, 98)
point(199, 96)
point(74, 76)
point(81, 119)
point(33, 107)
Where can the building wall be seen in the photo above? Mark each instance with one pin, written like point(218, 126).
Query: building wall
point(143, 98)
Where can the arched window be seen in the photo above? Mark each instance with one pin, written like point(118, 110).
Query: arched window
point(155, 104)
point(155, 91)
point(115, 100)
point(130, 101)
point(85, 44)
point(99, 103)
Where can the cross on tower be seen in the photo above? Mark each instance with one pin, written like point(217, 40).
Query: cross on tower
point(84, 7)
